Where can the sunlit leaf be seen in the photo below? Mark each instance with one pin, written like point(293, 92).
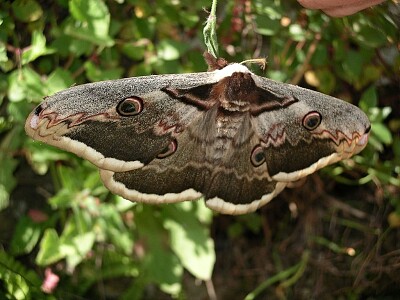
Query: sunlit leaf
point(49, 248)
point(161, 264)
point(190, 242)
point(382, 133)
point(3, 53)
point(94, 22)
point(4, 197)
point(37, 49)
point(25, 237)
point(170, 50)
point(297, 33)
point(25, 84)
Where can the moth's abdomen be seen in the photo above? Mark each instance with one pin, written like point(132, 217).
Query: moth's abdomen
point(223, 136)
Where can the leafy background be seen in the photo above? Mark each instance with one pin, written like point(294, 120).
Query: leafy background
point(335, 235)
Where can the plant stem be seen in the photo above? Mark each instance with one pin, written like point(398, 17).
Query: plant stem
point(296, 270)
point(209, 31)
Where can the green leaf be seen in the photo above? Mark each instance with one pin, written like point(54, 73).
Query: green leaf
point(189, 19)
point(94, 22)
point(95, 73)
point(268, 19)
point(73, 178)
point(25, 84)
point(116, 264)
point(3, 53)
point(42, 155)
point(58, 80)
point(382, 133)
point(49, 248)
point(113, 225)
point(38, 48)
point(160, 264)
point(92, 181)
point(369, 35)
point(353, 64)
point(277, 75)
point(267, 26)
point(297, 33)
point(4, 197)
point(369, 99)
point(63, 199)
point(170, 50)
point(122, 204)
point(378, 115)
point(82, 244)
point(27, 10)
point(133, 51)
point(7, 181)
point(10, 142)
point(396, 148)
point(269, 10)
point(139, 29)
point(17, 281)
point(190, 241)
point(25, 237)
point(320, 57)
point(66, 45)
point(167, 66)
point(77, 239)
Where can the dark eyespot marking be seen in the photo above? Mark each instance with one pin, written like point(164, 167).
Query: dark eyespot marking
point(38, 109)
point(312, 120)
point(130, 106)
point(169, 150)
point(257, 157)
point(368, 129)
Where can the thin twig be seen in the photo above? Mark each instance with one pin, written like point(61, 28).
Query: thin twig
point(211, 290)
point(299, 74)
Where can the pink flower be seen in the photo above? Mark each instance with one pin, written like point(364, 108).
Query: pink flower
point(50, 281)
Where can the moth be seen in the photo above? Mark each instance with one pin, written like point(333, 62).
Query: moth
point(228, 135)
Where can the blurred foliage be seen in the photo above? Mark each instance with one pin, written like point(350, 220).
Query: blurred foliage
point(104, 246)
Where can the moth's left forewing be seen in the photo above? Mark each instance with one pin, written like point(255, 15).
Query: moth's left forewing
point(84, 119)
point(312, 132)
